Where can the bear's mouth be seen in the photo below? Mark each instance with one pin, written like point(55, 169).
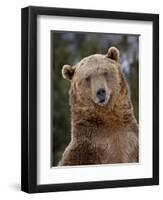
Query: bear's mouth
point(102, 102)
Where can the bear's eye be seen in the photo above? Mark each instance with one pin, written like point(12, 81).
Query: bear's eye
point(87, 78)
point(106, 74)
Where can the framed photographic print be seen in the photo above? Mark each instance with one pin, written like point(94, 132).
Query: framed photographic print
point(90, 99)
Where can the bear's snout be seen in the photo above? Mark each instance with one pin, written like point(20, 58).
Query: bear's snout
point(101, 95)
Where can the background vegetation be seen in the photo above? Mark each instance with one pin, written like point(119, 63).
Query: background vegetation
point(71, 47)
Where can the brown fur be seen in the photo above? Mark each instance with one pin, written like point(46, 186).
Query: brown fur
point(100, 134)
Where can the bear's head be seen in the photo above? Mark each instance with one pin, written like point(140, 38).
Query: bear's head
point(96, 80)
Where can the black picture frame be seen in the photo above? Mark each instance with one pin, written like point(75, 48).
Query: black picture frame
point(29, 98)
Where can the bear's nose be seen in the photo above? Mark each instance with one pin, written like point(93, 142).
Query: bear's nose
point(101, 94)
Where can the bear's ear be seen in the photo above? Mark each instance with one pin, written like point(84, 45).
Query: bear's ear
point(68, 72)
point(113, 53)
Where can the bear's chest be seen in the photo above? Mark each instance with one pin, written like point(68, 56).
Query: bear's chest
point(116, 148)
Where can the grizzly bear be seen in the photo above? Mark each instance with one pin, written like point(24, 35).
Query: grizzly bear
point(103, 126)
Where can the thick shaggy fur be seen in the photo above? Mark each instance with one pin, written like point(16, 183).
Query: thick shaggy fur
point(100, 134)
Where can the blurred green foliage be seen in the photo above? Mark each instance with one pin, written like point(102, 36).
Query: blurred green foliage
point(71, 47)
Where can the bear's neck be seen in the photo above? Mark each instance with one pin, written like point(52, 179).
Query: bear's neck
point(90, 120)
